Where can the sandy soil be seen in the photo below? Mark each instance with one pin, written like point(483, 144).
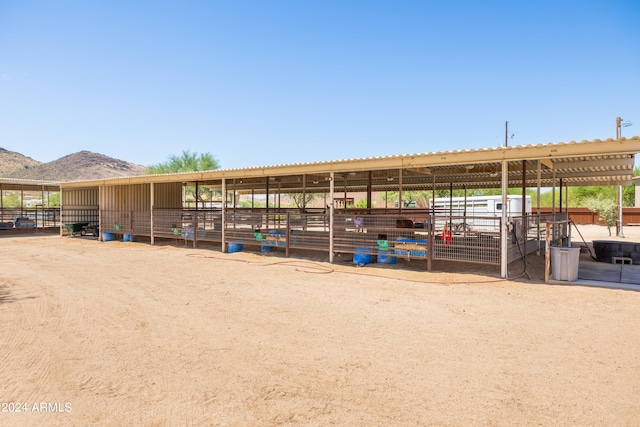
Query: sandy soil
point(129, 334)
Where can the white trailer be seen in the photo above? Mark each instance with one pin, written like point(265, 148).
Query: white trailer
point(476, 213)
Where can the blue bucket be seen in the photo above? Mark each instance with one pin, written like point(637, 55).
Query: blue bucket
point(235, 246)
point(413, 252)
point(385, 257)
point(108, 237)
point(361, 256)
point(277, 238)
point(128, 238)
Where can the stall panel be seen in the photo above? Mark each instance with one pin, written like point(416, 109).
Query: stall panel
point(398, 235)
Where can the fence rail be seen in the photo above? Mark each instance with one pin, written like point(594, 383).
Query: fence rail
point(40, 217)
point(409, 235)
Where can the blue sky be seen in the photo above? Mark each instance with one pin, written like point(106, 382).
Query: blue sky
point(274, 82)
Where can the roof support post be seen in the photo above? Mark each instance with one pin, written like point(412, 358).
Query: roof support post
point(331, 212)
point(553, 193)
point(223, 222)
point(100, 204)
point(42, 208)
point(504, 232)
point(61, 227)
point(433, 192)
point(525, 219)
point(369, 185)
point(450, 201)
point(400, 201)
point(304, 196)
point(538, 205)
point(151, 203)
point(266, 194)
point(195, 217)
point(560, 204)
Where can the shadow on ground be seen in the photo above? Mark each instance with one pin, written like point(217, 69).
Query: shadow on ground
point(8, 296)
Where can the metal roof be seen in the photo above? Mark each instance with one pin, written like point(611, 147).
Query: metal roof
point(597, 162)
point(14, 184)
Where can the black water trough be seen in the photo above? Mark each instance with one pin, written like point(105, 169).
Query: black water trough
point(607, 249)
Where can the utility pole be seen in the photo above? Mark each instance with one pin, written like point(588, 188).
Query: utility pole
point(619, 232)
point(618, 125)
point(506, 133)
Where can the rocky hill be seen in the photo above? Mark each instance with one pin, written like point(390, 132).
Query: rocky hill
point(83, 165)
point(12, 163)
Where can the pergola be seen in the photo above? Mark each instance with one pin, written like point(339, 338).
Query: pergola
point(149, 199)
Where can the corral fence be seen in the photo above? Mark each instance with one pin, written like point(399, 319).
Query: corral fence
point(268, 231)
point(133, 223)
point(385, 236)
point(40, 217)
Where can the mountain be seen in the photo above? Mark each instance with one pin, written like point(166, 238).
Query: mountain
point(80, 166)
point(12, 162)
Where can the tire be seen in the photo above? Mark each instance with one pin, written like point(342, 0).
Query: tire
point(461, 228)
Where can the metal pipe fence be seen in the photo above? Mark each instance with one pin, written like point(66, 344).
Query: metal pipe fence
point(401, 235)
point(79, 216)
point(36, 217)
point(478, 241)
point(273, 230)
point(406, 235)
point(309, 231)
point(134, 223)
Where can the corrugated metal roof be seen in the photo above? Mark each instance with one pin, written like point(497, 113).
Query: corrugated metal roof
point(28, 184)
point(596, 162)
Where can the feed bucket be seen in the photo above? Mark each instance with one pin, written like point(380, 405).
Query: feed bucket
point(235, 246)
point(361, 256)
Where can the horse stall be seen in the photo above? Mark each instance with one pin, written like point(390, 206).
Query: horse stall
point(371, 209)
point(26, 205)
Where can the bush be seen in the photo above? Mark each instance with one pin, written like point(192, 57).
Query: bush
point(606, 209)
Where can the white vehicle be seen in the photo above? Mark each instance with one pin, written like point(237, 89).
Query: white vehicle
point(476, 213)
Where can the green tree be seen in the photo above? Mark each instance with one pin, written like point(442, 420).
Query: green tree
point(361, 204)
point(53, 200)
point(605, 208)
point(302, 202)
point(187, 162)
point(11, 200)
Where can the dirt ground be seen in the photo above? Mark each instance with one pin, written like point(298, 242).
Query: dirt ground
point(118, 333)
